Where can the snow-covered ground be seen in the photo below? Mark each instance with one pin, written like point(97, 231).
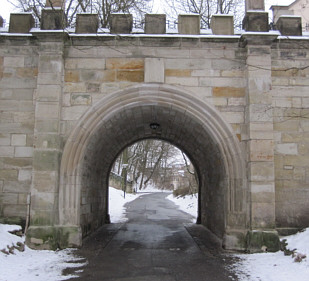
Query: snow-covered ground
point(33, 265)
point(117, 200)
point(48, 265)
point(187, 204)
point(266, 266)
point(277, 266)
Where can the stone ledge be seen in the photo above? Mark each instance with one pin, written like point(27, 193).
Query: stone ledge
point(259, 241)
point(53, 237)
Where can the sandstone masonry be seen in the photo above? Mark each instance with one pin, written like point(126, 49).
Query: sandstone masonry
point(238, 104)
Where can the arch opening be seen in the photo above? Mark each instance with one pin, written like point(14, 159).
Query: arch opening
point(151, 166)
point(160, 112)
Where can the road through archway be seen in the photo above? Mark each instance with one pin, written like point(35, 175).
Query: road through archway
point(124, 117)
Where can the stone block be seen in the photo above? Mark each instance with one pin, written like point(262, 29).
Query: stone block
point(47, 110)
point(10, 198)
point(49, 78)
point(261, 171)
point(121, 23)
point(234, 117)
point(19, 139)
point(80, 99)
point(154, 70)
point(229, 92)
point(87, 23)
point(189, 24)
point(125, 63)
point(53, 19)
point(131, 76)
point(287, 148)
point(45, 181)
point(48, 92)
point(6, 151)
point(47, 126)
point(261, 150)
point(258, 239)
point(46, 160)
point(289, 25)
point(255, 5)
point(256, 21)
point(5, 140)
point(55, 3)
point(263, 215)
point(222, 24)
point(72, 76)
point(8, 175)
point(24, 175)
point(21, 23)
point(155, 24)
point(18, 61)
point(50, 63)
point(23, 152)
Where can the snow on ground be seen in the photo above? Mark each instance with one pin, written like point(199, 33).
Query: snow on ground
point(186, 204)
point(32, 265)
point(117, 202)
point(47, 265)
point(277, 266)
point(265, 266)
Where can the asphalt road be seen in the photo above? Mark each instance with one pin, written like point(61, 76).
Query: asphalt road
point(157, 243)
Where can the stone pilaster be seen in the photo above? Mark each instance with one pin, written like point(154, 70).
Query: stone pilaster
point(259, 137)
point(47, 142)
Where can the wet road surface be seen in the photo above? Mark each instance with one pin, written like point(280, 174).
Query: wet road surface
point(157, 243)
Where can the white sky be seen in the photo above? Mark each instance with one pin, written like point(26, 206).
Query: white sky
point(7, 8)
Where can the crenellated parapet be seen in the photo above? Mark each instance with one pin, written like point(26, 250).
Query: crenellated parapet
point(255, 20)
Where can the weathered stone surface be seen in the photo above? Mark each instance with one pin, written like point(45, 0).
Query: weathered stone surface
point(155, 24)
point(289, 26)
point(87, 23)
point(19, 140)
point(229, 92)
point(256, 21)
point(154, 70)
point(239, 106)
point(53, 19)
point(222, 24)
point(125, 64)
point(21, 23)
point(121, 23)
point(80, 99)
point(254, 5)
point(189, 24)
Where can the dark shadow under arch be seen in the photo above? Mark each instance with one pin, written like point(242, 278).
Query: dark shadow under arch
point(122, 118)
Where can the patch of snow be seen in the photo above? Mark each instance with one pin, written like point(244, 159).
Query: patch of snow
point(31, 264)
point(8, 239)
point(186, 204)
point(276, 266)
point(116, 204)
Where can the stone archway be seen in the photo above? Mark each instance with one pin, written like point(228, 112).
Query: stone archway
point(122, 118)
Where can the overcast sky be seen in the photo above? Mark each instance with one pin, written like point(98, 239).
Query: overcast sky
point(7, 8)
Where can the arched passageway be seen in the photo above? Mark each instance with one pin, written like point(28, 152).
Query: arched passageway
point(125, 117)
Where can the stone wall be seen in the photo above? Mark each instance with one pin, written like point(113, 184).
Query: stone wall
point(18, 82)
point(238, 104)
point(291, 131)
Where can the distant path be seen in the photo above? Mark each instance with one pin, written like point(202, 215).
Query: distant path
point(153, 245)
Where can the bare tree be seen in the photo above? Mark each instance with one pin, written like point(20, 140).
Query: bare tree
point(104, 8)
point(154, 161)
point(207, 8)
